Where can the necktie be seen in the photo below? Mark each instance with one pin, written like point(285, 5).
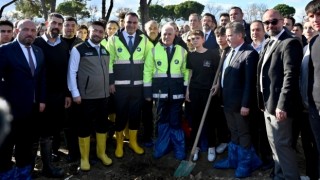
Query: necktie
point(31, 63)
point(205, 37)
point(232, 53)
point(130, 45)
point(98, 50)
point(168, 49)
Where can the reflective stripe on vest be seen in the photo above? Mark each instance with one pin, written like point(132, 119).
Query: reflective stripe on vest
point(178, 96)
point(160, 95)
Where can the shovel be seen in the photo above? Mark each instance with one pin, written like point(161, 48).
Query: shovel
point(186, 167)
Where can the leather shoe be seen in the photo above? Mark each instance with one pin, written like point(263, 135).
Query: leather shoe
point(53, 172)
point(211, 154)
point(196, 154)
point(221, 148)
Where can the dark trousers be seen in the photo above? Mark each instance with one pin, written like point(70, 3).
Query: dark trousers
point(128, 102)
point(314, 119)
point(170, 112)
point(259, 136)
point(147, 120)
point(199, 98)
point(95, 117)
point(23, 134)
point(239, 128)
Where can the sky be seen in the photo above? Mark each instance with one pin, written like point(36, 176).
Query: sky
point(226, 4)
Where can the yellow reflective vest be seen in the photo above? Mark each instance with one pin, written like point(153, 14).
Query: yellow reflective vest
point(125, 68)
point(165, 78)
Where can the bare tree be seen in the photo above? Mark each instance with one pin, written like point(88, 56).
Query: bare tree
point(144, 9)
point(214, 9)
point(255, 11)
point(93, 9)
point(5, 5)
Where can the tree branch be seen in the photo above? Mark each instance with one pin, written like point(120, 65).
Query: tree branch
point(5, 5)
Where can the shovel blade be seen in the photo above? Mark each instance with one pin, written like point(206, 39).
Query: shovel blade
point(184, 169)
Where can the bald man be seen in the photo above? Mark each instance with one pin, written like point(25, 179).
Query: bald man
point(23, 86)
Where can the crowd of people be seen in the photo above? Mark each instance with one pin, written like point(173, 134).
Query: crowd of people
point(104, 79)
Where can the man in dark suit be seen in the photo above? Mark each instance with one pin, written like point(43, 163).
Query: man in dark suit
point(313, 12)
point(23, 86)
point(236, 15)
point(209, 24)
point(278, 78)
point(238, 87)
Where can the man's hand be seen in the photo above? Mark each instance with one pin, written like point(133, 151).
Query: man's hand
point(42, 106)
point(244, 111)
point(77, 100)
point(112, 89)
point(187, 96)
point(281, 115)
point(67, 102)
point(215, 89)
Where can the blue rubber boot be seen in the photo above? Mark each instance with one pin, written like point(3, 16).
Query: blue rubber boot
point(8, 174)
point(248, 162)
point(178, 141)
point(231, 162)
point(23, 173)
point(162, 144)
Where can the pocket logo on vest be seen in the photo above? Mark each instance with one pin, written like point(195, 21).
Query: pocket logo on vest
point(176, 61)
point(119, 50)
point(138, 49)
point(159, 63)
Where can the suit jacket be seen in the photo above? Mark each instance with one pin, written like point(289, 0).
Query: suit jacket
point(280, 75)
point(239, 79)
point(247, 38)
point(211, 42)
point(314, 72)
point(18, 86)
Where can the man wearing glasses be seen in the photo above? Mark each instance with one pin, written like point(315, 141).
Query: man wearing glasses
point(278, 77)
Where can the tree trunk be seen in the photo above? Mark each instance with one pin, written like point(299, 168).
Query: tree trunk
point(103, 8)
point(53, 6)
point(144, 9)
point(5, 5)
point(44, 10)
point(109, 11)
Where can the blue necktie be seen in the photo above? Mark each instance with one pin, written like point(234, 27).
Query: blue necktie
point(130, 45)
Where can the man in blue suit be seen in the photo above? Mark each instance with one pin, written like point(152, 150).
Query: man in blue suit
point(209, 24)
point(23, 86)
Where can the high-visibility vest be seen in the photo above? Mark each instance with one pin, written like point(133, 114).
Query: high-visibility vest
point(163, 79)
point(125, 68)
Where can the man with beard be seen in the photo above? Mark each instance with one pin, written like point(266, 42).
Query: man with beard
point(6, 31)
point(23, 86)
point(209, 24)
point(56, 54)
point(68, 35)
point(278, 92)
point(88, 81)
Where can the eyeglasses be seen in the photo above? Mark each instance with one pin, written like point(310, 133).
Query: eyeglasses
point(272, 22)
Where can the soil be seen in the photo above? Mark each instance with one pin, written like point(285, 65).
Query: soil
point(145, 167)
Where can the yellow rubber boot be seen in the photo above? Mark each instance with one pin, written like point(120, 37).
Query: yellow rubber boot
point(101, 148)
point(119, 149)
point(126, 132)
point(84, 145)
point(133, 142)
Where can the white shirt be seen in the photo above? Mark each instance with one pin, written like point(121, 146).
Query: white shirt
point(206, 34)
point(73, 69)
point(126, 37)
point(25, 52)
point(275, 39)
point(58, 40)
point(228, 61)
